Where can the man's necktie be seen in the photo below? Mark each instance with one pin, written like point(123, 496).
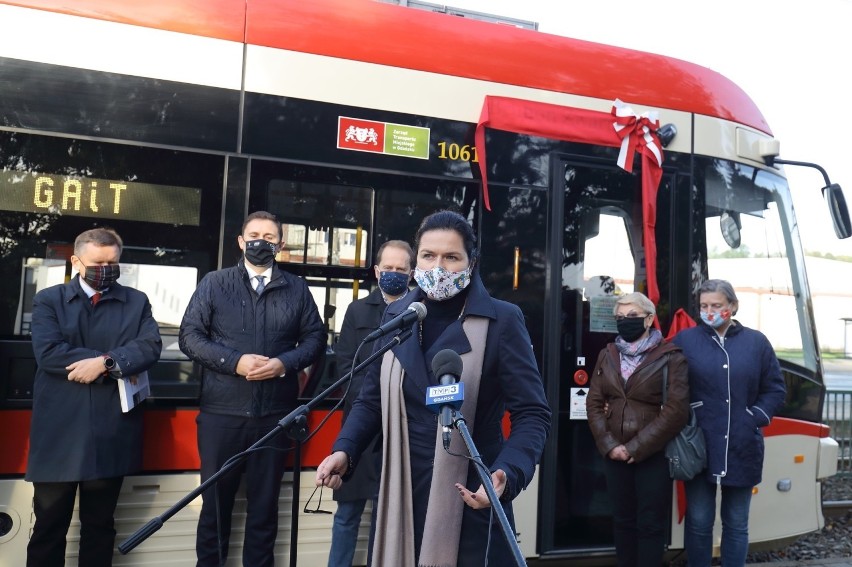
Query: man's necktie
point(96, 297)
point(260, 284)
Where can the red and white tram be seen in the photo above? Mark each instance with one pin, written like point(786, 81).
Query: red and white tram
point(352, 120)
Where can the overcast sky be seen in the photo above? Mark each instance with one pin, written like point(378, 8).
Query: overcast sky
point(793, 58)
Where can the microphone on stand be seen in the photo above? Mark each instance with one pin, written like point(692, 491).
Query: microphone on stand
point(447, 366)
point(415, 312)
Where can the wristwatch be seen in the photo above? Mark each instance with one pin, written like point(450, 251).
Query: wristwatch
point(111, 368)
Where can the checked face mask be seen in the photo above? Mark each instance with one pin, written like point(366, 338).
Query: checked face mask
point(100, 277)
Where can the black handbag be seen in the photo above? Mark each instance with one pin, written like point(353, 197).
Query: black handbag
point(687, 451)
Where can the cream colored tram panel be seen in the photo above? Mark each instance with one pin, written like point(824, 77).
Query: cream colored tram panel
point(146, 497)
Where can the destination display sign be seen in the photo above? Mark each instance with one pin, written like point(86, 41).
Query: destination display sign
point(30, 192)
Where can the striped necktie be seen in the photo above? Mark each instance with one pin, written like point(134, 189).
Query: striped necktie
point(260, 285)
point(96, 297)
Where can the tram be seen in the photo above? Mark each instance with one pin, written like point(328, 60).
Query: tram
point(351, 120)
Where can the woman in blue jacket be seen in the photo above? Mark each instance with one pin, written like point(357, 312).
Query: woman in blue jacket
point(736, 383)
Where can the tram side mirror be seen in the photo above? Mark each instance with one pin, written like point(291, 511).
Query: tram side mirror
point(838, 210)
point(730, 225)
point(591, 226)
point(329, 311)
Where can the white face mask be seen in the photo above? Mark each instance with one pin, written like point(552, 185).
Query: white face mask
point(439, 284)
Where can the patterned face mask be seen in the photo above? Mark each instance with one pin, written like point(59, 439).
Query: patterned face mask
point(440, 284)
point(260, 252)
point(101, 277)
point(393, 283)
point(716, 320)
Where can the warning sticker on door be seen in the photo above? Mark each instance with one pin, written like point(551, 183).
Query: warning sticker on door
point(578, 403)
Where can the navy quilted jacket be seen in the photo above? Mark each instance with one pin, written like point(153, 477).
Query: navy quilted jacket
point(738, 384)
point(226, 319)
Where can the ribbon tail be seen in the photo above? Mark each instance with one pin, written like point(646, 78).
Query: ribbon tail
point(651, 143)
point(479, 143)
point(625, 154)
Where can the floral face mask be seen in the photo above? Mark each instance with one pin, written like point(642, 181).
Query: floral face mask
point(440, 284)
point(716, 319)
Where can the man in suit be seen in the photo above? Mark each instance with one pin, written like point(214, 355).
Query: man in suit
point(394, 265)
point(86, 334)
point(252, 327)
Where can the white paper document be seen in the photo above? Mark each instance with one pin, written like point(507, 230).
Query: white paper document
point(133, 390)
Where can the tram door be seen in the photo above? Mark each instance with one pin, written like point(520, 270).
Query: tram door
point(597, 240)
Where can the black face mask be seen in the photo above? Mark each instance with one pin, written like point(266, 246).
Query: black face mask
point(631, 328)
point(260, 253)
point(101, 277)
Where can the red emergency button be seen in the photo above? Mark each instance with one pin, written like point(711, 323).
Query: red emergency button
point(581, 377)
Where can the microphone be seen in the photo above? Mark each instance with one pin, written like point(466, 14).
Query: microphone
point(447, 366)
point(415, 312)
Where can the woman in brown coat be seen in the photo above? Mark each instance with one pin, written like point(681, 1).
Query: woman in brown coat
point(631, 427)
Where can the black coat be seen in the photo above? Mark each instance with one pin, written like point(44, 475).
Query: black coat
point(226, 319)
point(362, 317)
point(510, 382)
point(78, 431)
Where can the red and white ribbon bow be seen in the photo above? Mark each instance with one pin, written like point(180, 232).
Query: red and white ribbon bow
point(637, 132)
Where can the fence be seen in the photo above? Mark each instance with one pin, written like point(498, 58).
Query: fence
point(837, 414)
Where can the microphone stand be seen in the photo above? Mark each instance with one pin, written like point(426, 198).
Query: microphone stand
point(460, 424)
point(294, 423)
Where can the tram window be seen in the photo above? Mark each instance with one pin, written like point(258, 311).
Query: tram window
point(342, 297)
point(168, 288)
point(336, 295)
point(757, 261)
point(324, 224)
point(608, 267)
point(165, 204)
point(602, 246)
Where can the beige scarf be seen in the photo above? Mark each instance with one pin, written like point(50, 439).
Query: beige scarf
point(394, 540)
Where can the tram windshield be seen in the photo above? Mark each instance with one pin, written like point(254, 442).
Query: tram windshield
point(753, 243)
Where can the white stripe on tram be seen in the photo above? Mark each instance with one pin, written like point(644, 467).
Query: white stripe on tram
point(74, 41)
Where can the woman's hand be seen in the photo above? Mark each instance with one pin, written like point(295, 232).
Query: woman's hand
point(331, 469)
point(479, 499)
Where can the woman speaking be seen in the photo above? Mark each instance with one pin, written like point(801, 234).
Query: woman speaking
point(432, 509)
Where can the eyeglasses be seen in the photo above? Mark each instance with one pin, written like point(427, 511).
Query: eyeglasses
point(630, 316)
point(316, 510)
